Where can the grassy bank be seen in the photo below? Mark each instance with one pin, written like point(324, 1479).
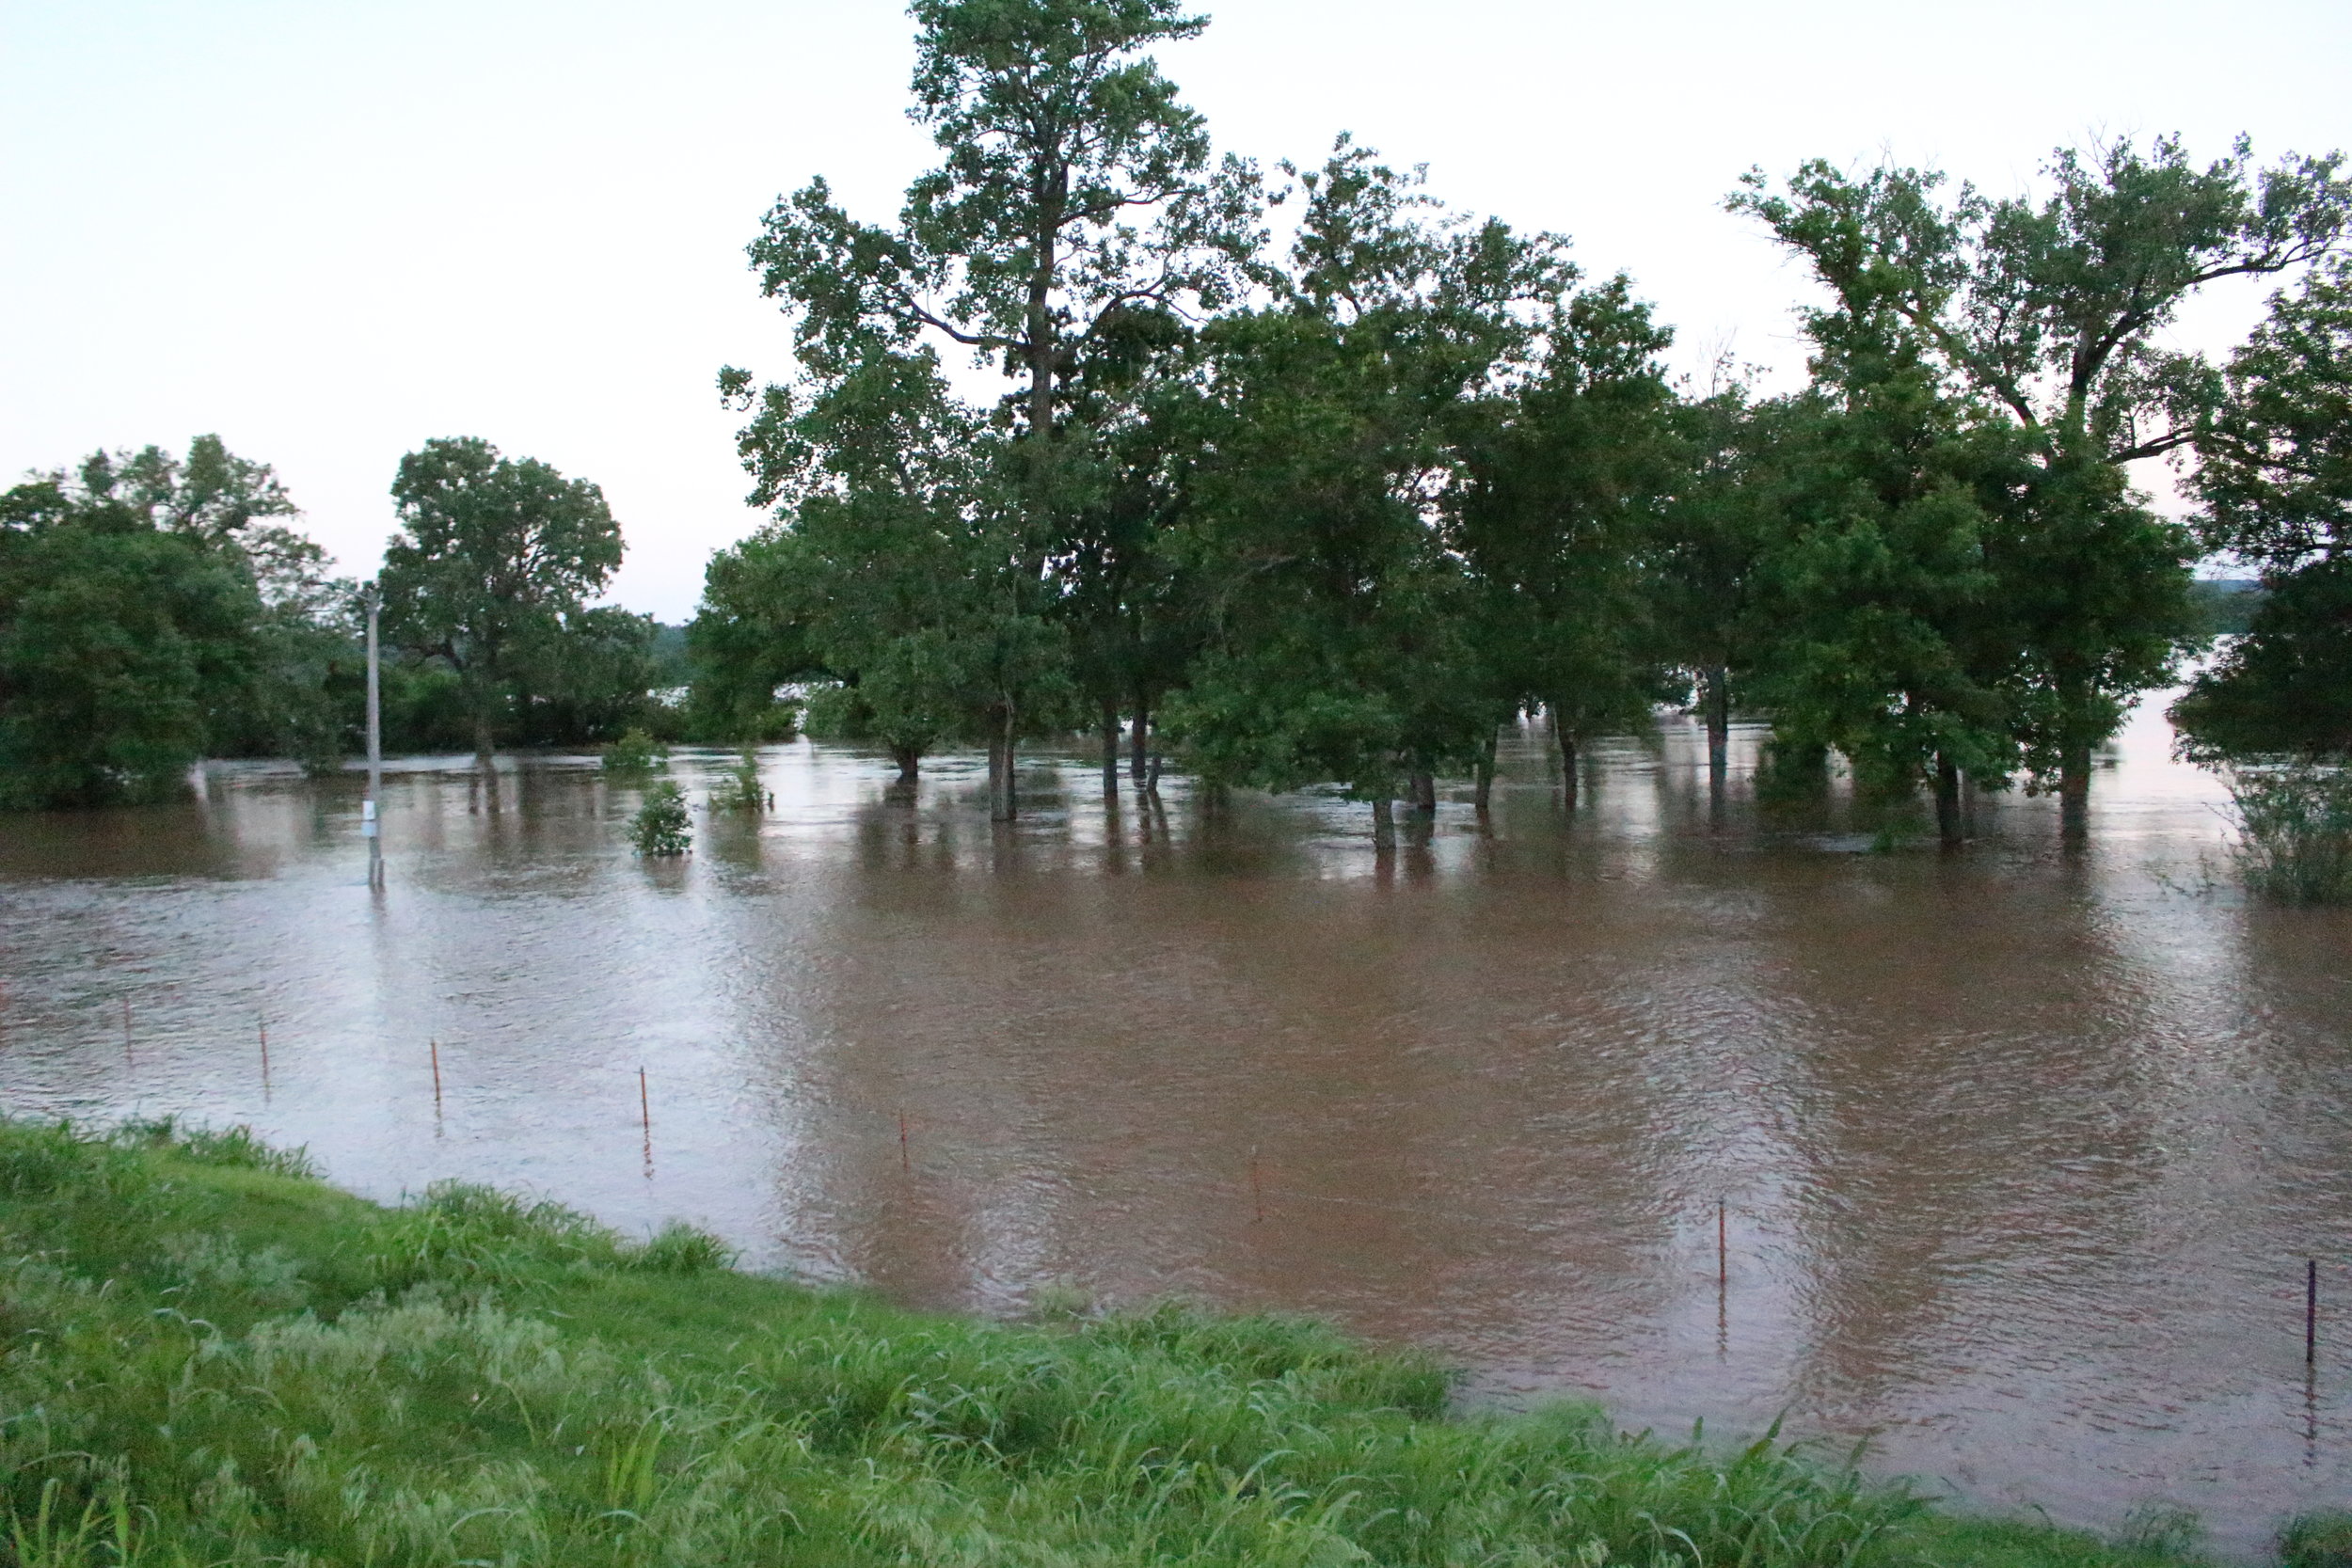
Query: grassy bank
point(211, 1357)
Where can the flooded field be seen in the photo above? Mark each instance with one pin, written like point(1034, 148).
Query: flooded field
point(2016, 1156)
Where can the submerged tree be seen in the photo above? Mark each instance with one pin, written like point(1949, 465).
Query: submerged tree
point(1339, 643)
point(2276, 479)
point(1562, 485)
point(494, 557)
point(151, 611)
point(2053, 313)
point(1074, 192)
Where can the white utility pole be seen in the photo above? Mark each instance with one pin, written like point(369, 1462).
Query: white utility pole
point(372, 813)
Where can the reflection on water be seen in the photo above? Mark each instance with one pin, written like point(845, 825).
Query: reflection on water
point(2019, 1154)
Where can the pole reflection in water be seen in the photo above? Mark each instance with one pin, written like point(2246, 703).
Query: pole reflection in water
point(2019, 1153)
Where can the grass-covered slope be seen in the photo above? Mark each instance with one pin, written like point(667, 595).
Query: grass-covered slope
point(207, 1357)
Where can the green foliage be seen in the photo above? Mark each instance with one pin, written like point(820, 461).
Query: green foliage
point(634, 755)
point(742, 790)
point(2285, 687)
point(1339, 646)
point(661, 825)
point(2051, 319)
point(489, 573)
point(2277, 482)
point(2275, 468)
point(151, 614)
point(2294, 832)
point(215, 1363)
point(2322, 1539)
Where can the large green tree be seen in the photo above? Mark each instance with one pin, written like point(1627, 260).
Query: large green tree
point(493, 558)
point(1074, 192)
point(1563, 484)
point(1339, 646)
point(2276, 480)
point(2054, 313)
point(151, 612)
point(894, 563)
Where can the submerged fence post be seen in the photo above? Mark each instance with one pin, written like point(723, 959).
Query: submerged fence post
point(2310, 1312)
point(263, 1023)
point(905, 1162)
point(437, 1077)
point(1723, 1248)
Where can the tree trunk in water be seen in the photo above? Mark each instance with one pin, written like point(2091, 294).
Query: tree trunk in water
point(1482, 774)
point(1950, 831)
point(910, 763)
point(1718, 728)
point(1139, 741)
point(1424, 794)
point(1110, 751)
point(1568, 766)
point(1001, 804)
point(2074, 792)
point(486, 760)
point(1383, 825)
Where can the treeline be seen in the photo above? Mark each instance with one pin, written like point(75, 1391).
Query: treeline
point(1333, 506)
point(1301, 477)
point(156, 609)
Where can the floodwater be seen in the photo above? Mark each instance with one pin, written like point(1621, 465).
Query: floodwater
point(2020, 1155)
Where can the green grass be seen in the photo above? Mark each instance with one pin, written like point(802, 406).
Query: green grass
point(209, 1356)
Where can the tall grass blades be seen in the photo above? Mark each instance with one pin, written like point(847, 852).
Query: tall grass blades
point(661, 826)
point(2295, 832)
point(212, 1361)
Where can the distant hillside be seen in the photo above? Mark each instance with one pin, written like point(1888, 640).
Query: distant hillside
point(2225, 604)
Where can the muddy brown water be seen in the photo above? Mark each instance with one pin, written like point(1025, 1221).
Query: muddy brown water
point(2019, 1154)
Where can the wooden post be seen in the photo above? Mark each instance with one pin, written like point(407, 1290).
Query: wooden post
point(437, 1077)
point(905, 1164)
point(644, 1104)
point(1723, 1248)
point(126, 1031)
point(2310, 1312)
point(263, 1025)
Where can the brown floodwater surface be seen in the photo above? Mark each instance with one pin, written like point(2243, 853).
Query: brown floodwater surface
point(2019, 1154)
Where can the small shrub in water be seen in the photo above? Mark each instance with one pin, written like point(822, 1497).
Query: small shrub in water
point(660, 826)
point(742, 790)
point(635, 752)
point(2294, 828)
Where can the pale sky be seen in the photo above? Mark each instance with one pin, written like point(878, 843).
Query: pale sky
point(330, 231)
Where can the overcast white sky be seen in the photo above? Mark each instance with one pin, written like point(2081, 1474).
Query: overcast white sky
point(332, 230)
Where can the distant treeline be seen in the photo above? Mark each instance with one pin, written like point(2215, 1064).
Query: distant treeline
point(1302, 478)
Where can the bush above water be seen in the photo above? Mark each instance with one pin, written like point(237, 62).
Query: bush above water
point(2295, 826)
point(216, 1360)
point(661, 826)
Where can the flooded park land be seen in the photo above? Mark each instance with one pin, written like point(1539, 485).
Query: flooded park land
point(2008, 1161)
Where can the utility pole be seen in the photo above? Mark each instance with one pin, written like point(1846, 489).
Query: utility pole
point(371, 813)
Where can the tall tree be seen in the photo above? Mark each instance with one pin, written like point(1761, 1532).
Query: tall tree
point(2053, 313)
point(151, 612)
point(893, 556)
point(1338, 647)
point(1074, 191)
point(492, 557)
point(2276, 480)
point(1563, 484)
